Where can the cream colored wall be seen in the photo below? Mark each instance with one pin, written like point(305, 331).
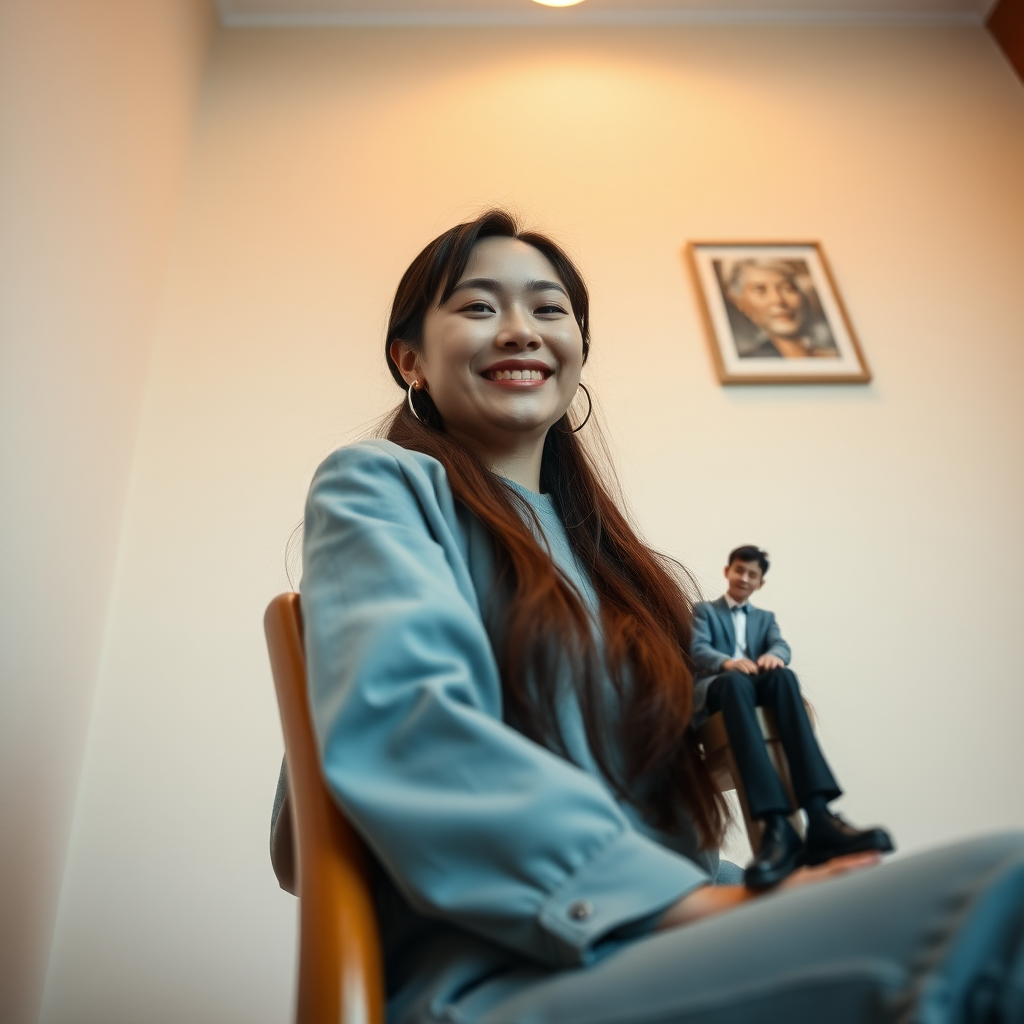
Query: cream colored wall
point(96, 105)
point(322, 162)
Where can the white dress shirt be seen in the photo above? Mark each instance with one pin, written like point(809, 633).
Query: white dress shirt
point(739, 625)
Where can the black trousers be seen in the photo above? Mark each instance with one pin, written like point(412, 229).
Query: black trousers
point(737, 696)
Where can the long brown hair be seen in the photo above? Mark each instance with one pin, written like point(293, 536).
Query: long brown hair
point(646, 614)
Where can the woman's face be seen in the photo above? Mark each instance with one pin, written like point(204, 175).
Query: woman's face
point(501, 358)
point(772, 301)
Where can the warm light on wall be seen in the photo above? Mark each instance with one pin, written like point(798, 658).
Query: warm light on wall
point(558, 3)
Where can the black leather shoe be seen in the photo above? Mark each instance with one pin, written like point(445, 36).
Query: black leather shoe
point(829, 836)
point(781, 853)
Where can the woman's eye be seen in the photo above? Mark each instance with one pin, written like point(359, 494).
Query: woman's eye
point(477, 307)
point(550, 307)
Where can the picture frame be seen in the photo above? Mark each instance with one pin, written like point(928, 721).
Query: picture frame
point(773, 314)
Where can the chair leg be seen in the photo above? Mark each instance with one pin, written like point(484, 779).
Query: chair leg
point(714, 739)
point(754, 827)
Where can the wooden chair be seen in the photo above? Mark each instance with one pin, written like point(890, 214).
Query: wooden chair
point(719, 758)
point(341, 979)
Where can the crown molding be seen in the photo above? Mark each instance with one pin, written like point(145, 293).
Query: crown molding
point(574, 17)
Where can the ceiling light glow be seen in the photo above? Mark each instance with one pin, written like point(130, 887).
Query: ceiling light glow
point(558, 3)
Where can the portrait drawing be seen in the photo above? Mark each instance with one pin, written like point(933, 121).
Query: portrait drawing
point(774, 316)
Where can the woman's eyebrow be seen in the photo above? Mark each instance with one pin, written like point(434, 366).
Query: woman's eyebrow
point(487, 284)
point(491, 285)
point(543, 286)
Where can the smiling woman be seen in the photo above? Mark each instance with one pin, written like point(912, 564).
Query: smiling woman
point(484, 300)
point(500, 680)
point(500, 356)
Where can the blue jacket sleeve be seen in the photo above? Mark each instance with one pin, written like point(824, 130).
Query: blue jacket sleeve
point(475, 823)
point(774, 644)
point(707, 659)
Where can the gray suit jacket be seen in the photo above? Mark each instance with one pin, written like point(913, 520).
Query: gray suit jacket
point(714, 641)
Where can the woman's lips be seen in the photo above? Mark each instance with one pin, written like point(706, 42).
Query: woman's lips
point(518, 377)
point(527, 374)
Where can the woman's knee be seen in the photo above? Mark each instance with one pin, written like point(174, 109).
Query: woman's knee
point(984, 853)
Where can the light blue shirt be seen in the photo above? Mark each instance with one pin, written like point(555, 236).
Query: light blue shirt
point(739, 625)
point(477, 828)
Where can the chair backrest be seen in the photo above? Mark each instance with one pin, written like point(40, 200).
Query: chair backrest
point(341, 979)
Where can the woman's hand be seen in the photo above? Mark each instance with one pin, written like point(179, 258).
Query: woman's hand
point(706, 901)
point(709, 900)
point(830, 869)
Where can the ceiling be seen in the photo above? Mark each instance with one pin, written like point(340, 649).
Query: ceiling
point(237, 13)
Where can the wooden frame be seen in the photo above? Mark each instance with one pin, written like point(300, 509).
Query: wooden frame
point(341, 972)
point(773, 314)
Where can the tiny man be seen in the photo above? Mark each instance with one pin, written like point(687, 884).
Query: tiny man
point(740, 663)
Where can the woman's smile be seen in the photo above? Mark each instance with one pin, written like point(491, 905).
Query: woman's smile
point(518, 373)
point(501, 356)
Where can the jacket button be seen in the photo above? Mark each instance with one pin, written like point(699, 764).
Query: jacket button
point(581, 910)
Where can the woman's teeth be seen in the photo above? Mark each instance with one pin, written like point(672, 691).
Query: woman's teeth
point(515, 375)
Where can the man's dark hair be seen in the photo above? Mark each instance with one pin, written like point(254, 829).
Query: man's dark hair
point(750, 553)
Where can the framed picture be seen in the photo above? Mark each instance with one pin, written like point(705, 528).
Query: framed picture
point(774, 315)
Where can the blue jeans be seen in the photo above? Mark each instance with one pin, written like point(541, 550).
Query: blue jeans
point(936, 938)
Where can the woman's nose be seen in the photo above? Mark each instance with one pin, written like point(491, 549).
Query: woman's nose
point(517, 332)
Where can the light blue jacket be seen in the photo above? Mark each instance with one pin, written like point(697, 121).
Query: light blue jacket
point(492, 848)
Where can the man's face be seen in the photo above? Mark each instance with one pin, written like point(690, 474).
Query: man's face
point(771, 300)
point(743, 578)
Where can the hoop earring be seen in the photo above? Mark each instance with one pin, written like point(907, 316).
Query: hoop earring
point(414, 386)
point(590, 409)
